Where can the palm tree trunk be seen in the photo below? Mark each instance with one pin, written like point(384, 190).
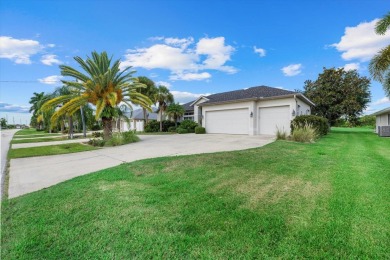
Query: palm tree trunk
point(160, 120)
point(70, 136)
point(62, 126)
point(145, 116)
point(107, 127)
point(83, 121)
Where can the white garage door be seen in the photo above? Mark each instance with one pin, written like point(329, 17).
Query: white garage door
point(271, 118)
point(233, 121)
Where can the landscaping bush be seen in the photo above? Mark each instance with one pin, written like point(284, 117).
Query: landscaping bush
point(180, 130)
point(96, 127)
point(122, 138)
point(129, 137)
point(281, 134)
point(369, 121)
point(166, 124)
point(200, 130)
point(304, 133)
point(172, 129)
point(319, 123)
point(189, 125)
point(97, 142)
point(152, 126)
point(97, 134)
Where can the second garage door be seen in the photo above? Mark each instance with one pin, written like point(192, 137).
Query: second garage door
point(233, 121)
point(271, 118)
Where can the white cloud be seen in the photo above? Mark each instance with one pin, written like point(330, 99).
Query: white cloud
point(260, 51)
point(352, 66)
point(5, 107)
point(51, 80)
point(163, 83)
point(184, 60)
point(361, 42)
point(384, 100)
point(292, 70)
point(51, 45)
point(190, 76)
point(19, 51)
point(50, 59)
point(184, 97)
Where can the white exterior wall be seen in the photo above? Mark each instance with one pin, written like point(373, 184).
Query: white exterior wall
point(137, 125)
point(382, 120)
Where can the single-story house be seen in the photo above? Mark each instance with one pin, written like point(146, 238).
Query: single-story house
point(383, 119)
point(251, 111)
point(136, 121)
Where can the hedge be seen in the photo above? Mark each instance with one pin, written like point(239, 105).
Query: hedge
point(319, 123)
point(200, 130)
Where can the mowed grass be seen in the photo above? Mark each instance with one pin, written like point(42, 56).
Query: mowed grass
point(285, 200)
point(49, 150)
point(38, 140)
point(33, 132)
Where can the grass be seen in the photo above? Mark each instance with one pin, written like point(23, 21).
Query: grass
point(49, 150)
point(324, 200)
point(38, 140)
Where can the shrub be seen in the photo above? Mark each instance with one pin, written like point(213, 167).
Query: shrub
point(317, 122)
point(97, 142)
point(122, 138)
point(281, 134)
point(200, 130)
point(152, 126)
point(180, 130)
point(304, 133)
point(189, 125)
point(172, 129)
point(129, 137)
point(367, 121)
point(166, 124)
point(97, 134)
point(96, 127)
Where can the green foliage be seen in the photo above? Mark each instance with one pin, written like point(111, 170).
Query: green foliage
point(304, 133)
point(281, 134)
point(154, 126)
point(319, 123)
point(49, 150)
point(181, 130)
point(200, 130)
point(367, 121)
point(172, 129)
point(129, 137)
point(189, 125)
point(97, 134)
point(122, 138)
point(97, 142)
point(337, 93)
point(175, 111)
point(3, 123)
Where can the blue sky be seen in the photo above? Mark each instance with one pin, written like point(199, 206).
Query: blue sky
point(193, 47)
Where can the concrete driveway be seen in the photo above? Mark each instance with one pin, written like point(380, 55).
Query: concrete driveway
point(35, 173)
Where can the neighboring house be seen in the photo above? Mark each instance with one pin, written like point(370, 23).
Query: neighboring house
point(136, 120)
point(251, 111)
point(382, 118)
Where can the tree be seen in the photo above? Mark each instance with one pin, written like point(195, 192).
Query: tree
point(175, 110)
point(3, 123)
point(150, 91)
point(101, 83)
point(380, 64)
point(42, 118)
point(337, 93)
point(163, 97)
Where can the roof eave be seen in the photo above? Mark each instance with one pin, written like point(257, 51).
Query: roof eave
point(380, 112)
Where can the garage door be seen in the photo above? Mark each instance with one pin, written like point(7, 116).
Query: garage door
point(272, 117)
point(233, 121)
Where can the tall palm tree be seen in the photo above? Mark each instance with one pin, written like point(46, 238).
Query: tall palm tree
point(37, 101)
point(175, 110)
point(102, 84)
point(163, 97)
point(380, 64)
point(149, 91)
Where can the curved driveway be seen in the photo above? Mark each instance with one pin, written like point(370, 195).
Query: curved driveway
point(35, 173)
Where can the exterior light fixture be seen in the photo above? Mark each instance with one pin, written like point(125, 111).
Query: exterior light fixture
point(293, 112)
point(251, 115)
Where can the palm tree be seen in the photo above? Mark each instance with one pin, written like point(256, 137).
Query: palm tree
point(163, 97)
point(150, 91)
point(175, 110)
point(37, 101)
point(101, 84)
point(380, 64)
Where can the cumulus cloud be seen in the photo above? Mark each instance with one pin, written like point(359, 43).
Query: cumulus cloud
point(384, 100)
point(51, 80)
point(184, 58)
point(260, 51)
point(18, 51)
point(185, 97)
point(50, 59)
point(190, 76)
point(292, 70)
point(361, 42)
point(5, 107)
point(352, 66)
point(163, 83)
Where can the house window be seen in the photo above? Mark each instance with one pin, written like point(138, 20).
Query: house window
point(189, 116)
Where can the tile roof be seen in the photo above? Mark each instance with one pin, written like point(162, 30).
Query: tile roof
point(139, 114)
point(188, 107)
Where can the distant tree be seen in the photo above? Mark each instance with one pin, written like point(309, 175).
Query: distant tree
point(3, 123)
point(149, 90)
point(163, 98)
point(380, 64)
point(337, 93)
point(41, 118)
point(175, 110)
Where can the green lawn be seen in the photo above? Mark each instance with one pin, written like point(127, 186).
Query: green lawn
point(38, 140)
point(49, 150)
point(285, 200)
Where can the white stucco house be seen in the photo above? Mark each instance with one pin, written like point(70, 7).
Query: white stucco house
point(382, 119)
point(136, 121)
point(251, 111)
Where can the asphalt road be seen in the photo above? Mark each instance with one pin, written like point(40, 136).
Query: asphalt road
point(6, 137)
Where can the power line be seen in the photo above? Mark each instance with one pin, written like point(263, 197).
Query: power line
point(27, 81)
